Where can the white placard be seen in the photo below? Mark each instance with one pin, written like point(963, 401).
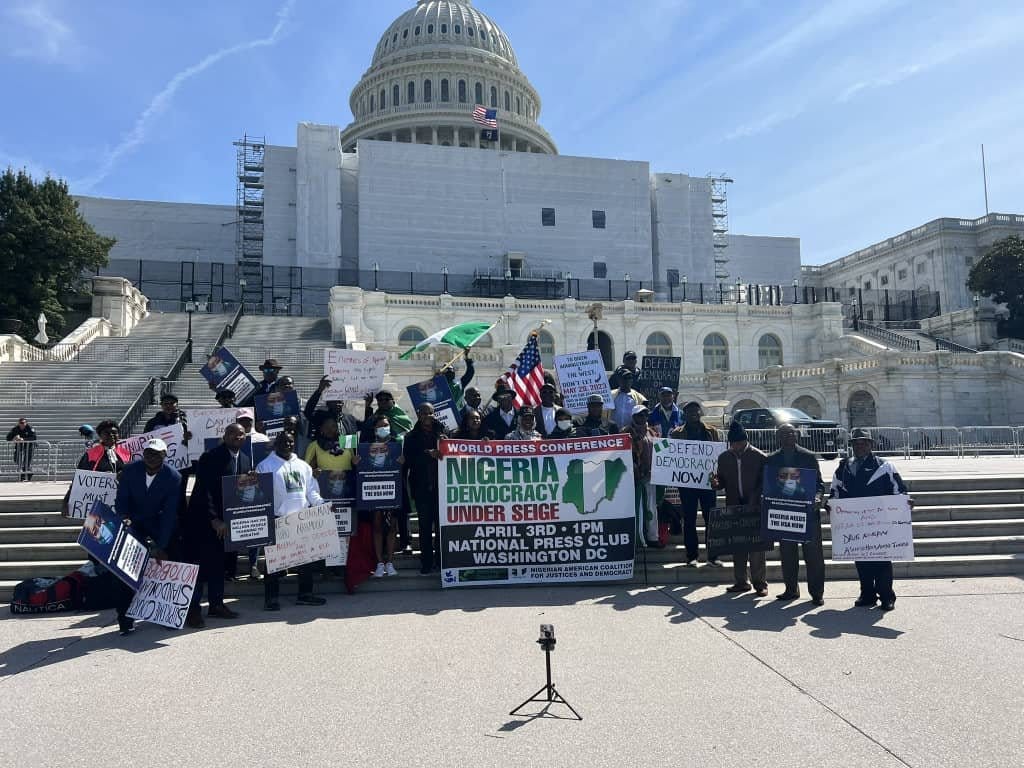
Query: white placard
point(88, 486)
point(581, 374)
point(353, 373)
point(685, 463)
point(872, 528)
point(305, 536)
point(208, 423)
point(165, 593)
point(174, 435)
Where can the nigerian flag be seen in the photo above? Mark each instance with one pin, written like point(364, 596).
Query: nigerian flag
point(462, 336)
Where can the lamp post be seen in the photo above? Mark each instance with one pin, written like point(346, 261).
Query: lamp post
point(190, 307)
point(796, 296)
point(684, 287)
point(568, 284)
point(627, 278)
point(376, 270)
point(444, 272)
point(738, 290)
point(508, 278)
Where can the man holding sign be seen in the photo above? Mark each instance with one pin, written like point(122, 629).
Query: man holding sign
point(865, 475)
point(693, 429)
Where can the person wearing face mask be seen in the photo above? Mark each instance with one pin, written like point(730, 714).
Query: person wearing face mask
point(204, 527)
point(420, 450)
point(385, 521)
point(386, 407)
point(642, 436)
point(563, 425)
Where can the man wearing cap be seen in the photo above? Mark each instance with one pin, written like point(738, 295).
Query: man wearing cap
point(690, 499)
point(790, 454)
point(148, 499)
point(315, 416)
point(526, 426)
point(168, 415)
point(628, 364)
point(594, 423)
point(867, 475)
point(740, 474)
point(225, 397)
point(625, 399)
point(270, 369)
point(502, 420)
point(666, 415)
point(397, 418)
point(545, 412)
point(564, 428)
point(642, 437)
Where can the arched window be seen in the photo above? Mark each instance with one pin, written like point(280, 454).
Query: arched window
point(508, 101)
point(462, 91)
point(519, 105)
point(479, 93)
point(417, 30)
point(428, 91)
point(808, 405)
point(659, 345)
point(430, 29)
point(410, 95)
point(483, 35)
point(469, 31)
point(494, 97)
point(444, 29)
point(444, 89)
point(546, 343)
point(410, 336)
point(396, 95)
point(405, 34)
point(861, 407)
point(383, 95)
point(458, 29)
point(371, 102)
point(769, 351)
point(716, 353)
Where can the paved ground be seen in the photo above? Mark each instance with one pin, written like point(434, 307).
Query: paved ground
point(673, 676)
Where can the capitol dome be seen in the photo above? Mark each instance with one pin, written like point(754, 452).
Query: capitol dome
point(431, 67)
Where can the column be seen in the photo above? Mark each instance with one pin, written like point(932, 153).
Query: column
point(433, 133)
point(477, 132)
point(394, 136)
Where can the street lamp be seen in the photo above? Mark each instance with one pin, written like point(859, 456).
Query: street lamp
point(796, 296)
point(190, 307)
point(568, 284)
point(444, 271)
point(508, 277)
point(684, 287)
point(627, 284)
point(376, 270)
point(738, 292)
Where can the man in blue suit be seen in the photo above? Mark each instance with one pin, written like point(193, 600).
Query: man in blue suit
point(148, 497)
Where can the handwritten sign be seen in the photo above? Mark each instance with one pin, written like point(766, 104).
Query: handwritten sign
point(656, 372)
point(872, 528)
point(353, 373)
point(302, 537)
point(735, 529)
point(87, 487)
point(174, 436)
point(580, 375)
point(685, 463)
point(165, 593)
point(207, 426)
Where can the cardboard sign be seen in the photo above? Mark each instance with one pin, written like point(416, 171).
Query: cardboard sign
point(273, 408)
point(174, 436)
point(438, 392)
point(87, 487)
point(165, 593)
point(306, 536)
point(207, 426)
point(248, 510)
point(735, 529)
point(685, 463)
point(223, 371)
point(657, 372)
point(379, 476)
point(525, 512)
point(338, 486)
point(872, 528)
point(105, 536)
point(788, 511)
point(353, 373)
point(580, 375)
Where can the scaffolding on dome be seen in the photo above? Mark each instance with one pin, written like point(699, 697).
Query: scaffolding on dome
point(720, 223)
point(249, 221)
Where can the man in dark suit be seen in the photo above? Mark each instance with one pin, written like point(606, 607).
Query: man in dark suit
point(148, 497)
point(204, 527)
point(502, 420)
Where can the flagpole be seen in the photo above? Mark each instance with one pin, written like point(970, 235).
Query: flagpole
point(462, 353)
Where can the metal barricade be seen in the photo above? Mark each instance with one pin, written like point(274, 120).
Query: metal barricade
point(935, 441)
point(829, 442)
point(891, 441)
point(15, 393)
point(978, 440)
point(18, 459)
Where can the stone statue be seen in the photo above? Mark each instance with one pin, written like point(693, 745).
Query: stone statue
point(41, 337)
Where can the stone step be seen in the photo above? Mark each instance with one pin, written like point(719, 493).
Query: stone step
point(978, 483)
point(39, 535)
point(956, 498)
point(967, 512)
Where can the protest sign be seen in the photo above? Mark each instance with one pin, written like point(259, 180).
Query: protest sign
point(207, 426)
point(872, 528)
point(581, 374)
point(438, 392)
point(88, 487)
point(273, 408)
point(165, 593)
point(788, 511)
point(523, 512)
point(657, 371)
point(379, 476)
point(174, 436)
point(353, 373)
point(735, 529)
point(248, 510)
point(303, 537)
point(685, 463)
point(223, 371)
point(105, 536)
point(338, 487)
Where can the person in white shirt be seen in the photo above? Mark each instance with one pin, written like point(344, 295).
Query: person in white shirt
point(546, 410)
point(294, 489)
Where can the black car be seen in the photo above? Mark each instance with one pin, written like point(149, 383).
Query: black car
point(819, 435)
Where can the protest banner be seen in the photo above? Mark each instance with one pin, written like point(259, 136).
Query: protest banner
point(248, 510)
point(105, 536)
point(207, 426)
point(338, 487)
point(379, 476)
point(88, 487)
point(353, 373)
point(165, 593)
point(734, 529)
point(657, 371)
point(273, 408)
point(685, 463)
point(438, 392)
point(581, 374)
point(174, 436)
point(872, 528)
point(303, 537)
point(223, 371)
point(788, 511)
point(523, 512)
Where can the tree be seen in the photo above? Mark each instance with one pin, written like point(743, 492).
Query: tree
point(45, 246)
point(1000, 274)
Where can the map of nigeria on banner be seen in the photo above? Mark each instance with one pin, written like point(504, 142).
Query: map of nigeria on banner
point(589, 482)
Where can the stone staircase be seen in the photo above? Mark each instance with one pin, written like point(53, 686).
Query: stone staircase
point(963, 526)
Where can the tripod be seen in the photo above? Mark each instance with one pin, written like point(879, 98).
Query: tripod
point(547, 694)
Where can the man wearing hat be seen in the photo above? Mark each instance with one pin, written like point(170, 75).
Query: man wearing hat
point(867, 475)
point(642, 437)
point(526, 426)
point(502, 419)
point(740, 474)
point(628, 364)
point(690, 499)
point(270, 368)
point(594, 423)
point(148, 499)
point(545, 412)
point(666, 415)
point(625, 399)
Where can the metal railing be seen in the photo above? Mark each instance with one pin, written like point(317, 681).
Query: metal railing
point(131, 417)
point(229, 328)
point(182, 360)
point(891, 338)
point(829, 441)
point(950, 346)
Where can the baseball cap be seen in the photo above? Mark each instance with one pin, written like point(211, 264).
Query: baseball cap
point(156, 444)
point(667, 389)
point(526, 410)
point(861, 434)
point(640, 408)
point(595, 399)
point(243, 413)
point(692, 402)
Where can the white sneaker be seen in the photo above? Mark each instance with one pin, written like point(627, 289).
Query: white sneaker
point(378, 572)
point(254, 572)
point(691, 563)
point(390, 569)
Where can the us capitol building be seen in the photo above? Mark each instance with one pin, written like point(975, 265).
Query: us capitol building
point(419, 214)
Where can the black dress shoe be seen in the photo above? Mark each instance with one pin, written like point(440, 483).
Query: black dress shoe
point(818, 600)
point(308, 599)
point(889, 606)
point(271, 605)
point(221, 612)
point(865, 602)
point(788, 596)
point(126, 626)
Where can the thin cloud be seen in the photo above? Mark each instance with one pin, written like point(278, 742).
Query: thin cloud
point(162, 100)
point(34, 32)
point(766, 123)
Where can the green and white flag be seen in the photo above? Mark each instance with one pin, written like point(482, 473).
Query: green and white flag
point(463, 336)
point(348, 441)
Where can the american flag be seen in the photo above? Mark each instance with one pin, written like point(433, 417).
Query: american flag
point(526, 375)
point(488, 118)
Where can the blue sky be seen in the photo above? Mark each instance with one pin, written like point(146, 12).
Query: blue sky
point(842, 122)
